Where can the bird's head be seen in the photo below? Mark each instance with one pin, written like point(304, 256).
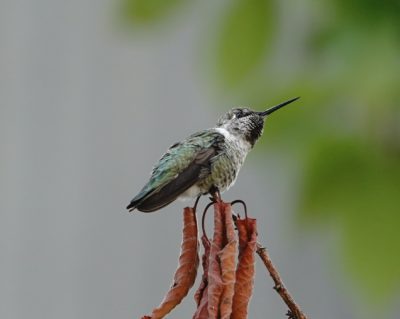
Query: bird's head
point(246, 123)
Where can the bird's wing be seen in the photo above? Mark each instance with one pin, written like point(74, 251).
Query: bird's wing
point(180, 167)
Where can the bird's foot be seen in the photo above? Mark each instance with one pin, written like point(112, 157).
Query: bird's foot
point(215, 194)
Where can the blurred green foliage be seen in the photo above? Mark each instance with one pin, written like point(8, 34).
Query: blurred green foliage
point(370, 13)
point(343, 59)
point(247, 23)
point(148, 11)
point(357, 184)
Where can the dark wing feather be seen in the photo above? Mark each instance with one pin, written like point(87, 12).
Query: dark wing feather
point(178, 169)
point(168, 193)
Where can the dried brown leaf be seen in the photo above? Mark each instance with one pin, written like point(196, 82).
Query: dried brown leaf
point(215, 286)
point(201, 295)
point(227, 259)
point(245, 272)
point(185, 275)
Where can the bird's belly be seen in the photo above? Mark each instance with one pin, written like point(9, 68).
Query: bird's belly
point(191, 192)
point(224, 172)
point(223, 175)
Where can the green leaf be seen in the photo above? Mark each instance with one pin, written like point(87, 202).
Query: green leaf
point(148, 11)
point(243, 39)
point(358, 186)
point(365, 11)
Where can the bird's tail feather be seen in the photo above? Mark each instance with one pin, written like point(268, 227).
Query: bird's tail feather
point(152, 202)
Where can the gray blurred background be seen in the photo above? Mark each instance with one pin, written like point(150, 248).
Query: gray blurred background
point(93, 92)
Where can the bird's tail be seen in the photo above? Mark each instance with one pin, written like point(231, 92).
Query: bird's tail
point(150, 200)
point(132, 205)
point(138, 199)
point(150, 203)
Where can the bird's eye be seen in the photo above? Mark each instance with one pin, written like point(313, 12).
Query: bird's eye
point(240, 113)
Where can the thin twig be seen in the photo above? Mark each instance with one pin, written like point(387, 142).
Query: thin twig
point(295, 311)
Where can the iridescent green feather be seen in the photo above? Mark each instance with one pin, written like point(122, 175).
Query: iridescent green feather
point(177, 158)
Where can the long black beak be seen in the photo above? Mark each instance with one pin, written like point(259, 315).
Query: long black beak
point(277, 107)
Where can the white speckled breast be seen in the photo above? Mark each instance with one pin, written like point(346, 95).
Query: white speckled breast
point(225, 166)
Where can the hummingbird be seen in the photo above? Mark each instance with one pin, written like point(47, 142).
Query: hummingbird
point(205, 162)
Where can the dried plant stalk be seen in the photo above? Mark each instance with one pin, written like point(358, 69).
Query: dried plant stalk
point(294, 310)
point(226, 288)
point(185, 275)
